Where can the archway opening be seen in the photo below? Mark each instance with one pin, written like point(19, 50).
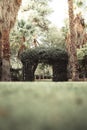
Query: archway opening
point(43, 72)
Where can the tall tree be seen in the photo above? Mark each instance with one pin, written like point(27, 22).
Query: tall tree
point(8, 13)
point(73, 52)
point(54, 37)
point(36, 23)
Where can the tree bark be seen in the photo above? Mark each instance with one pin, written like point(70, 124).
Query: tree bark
point(6, 76)
point(73, 51)
point(8, 13)
point(0, 56)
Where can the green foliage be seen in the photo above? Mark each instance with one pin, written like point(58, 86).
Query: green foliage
point(80, 3)
point(54, 37)
point(15, 41)
point(35, 24)
point(44, 54)
point(56, 57)
point(21, 24)
point(82, 53)
point(43, 71)
point(82, 58)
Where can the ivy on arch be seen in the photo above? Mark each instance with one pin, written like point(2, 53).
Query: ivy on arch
point(56, 57)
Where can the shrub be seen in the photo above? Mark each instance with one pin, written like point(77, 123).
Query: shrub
point(56, 57)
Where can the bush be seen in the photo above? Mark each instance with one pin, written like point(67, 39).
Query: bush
point(53, 56)
point(44, 54)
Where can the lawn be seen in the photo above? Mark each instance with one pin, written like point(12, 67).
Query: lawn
point(43, 106)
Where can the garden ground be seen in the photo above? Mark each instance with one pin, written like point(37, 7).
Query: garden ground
point(43, 106)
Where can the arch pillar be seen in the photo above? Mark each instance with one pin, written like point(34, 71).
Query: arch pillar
point(60, 71)
point(28, 71)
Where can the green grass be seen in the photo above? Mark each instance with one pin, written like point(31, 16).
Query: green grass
point(43, 106)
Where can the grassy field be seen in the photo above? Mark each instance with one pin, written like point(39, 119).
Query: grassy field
point(43, 106)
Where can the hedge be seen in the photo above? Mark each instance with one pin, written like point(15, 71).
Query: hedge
point(56, 57)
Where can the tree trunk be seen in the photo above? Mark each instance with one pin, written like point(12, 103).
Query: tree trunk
point(0, 56)
point(73, 51)
point(8, 13)
point(6, 76)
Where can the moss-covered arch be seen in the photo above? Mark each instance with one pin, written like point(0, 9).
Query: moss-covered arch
point(56, 57)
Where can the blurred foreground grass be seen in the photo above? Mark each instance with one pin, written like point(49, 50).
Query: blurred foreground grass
point(43, 106)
